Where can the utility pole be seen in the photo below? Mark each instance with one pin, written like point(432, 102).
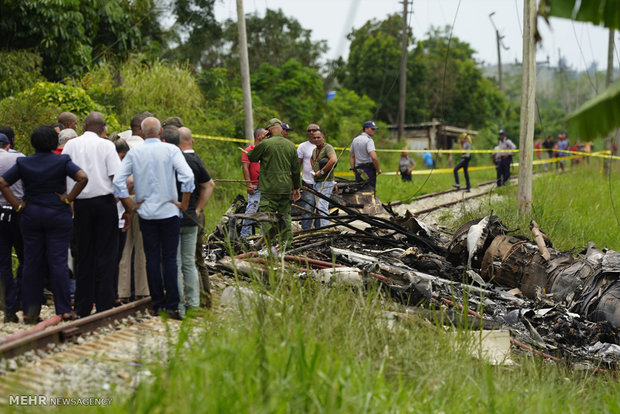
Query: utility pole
point(528, 95)
point(500, 44)
point(404, 41)
point(245, 73)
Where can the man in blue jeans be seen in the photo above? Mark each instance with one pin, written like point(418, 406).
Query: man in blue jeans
point(251, 170)
point(189, 284)
point(156, 166)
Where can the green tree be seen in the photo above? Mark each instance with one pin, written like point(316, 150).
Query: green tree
point(196, 35)
point(71, 35)
point(273, 39)
point(344, 115)
point(294, 90)
point(19, 70)
point(443, 79)
point(372, 68)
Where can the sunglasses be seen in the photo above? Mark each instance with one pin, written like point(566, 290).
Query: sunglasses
point(313, 130)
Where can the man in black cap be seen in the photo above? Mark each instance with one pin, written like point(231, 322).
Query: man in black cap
point(279, 174)
point(363, 156)
point(285, 129)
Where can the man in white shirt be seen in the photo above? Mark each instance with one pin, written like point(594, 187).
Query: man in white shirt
point(304, 153)
point(95, 217)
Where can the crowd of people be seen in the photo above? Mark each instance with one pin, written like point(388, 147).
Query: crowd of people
point(125, 212)
point(271, 169)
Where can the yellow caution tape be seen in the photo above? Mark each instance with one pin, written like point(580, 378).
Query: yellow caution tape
point(215, 138)
point(450, 170)
point(601, 154)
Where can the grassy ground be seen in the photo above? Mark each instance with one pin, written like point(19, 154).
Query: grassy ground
point(313, 349)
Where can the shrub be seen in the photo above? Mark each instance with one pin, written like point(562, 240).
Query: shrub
point(42, 103)
point(19, 70)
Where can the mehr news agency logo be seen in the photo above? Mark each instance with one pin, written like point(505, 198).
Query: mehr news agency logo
point(44, 400)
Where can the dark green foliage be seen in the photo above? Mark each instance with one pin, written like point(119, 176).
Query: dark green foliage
point(71, 35)
point(195, 33)
point(293, 90)
point(19, 70)
point(42, 103)
point(274, 39)
point(373, 65)
point(443, 80)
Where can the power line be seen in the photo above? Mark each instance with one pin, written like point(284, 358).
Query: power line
point(583, 57)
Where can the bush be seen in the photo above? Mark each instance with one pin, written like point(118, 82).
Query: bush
point(24, 114)
point(19, 70)
point(161, 88)
point(42, 104)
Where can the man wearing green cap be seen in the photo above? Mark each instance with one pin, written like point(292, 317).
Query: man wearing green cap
point(279, 174)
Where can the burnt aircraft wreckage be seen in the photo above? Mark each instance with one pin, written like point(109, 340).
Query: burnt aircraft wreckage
point(561, 305)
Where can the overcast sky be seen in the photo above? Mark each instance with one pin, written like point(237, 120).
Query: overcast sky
point(331, 20)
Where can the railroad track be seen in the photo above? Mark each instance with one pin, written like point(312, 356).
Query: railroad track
point(111, 360)
point(45, 333)
point(436, 194)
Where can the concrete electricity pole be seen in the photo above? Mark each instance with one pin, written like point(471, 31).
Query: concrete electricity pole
point(528, 96)
point(500, 44)
point(245, 73)
point(404, 39)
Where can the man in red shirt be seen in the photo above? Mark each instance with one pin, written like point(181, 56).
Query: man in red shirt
point(250, 173)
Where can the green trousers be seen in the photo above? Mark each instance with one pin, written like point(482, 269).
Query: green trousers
point(277, 203)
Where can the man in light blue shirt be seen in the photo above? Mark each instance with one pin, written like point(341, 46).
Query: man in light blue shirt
point(156, 166)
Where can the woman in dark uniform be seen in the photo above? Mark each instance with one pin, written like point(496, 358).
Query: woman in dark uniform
point(45, 221)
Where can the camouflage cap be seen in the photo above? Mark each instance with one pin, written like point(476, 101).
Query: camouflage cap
point(272, 122)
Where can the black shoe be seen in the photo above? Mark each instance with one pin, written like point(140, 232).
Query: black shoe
point(456, 185)
point(467, 190)
point(32, 320)
point(175, 314)
point(11, 318)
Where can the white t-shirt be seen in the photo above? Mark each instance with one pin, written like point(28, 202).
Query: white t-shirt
point(98, 158)
point(304, 152)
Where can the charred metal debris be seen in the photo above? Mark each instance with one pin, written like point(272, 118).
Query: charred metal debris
point(564, 306)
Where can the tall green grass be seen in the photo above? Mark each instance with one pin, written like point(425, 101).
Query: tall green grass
point(310, 348)
point(316, 349)
point(573, 208)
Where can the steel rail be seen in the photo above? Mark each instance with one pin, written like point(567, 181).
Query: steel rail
point(70, 331)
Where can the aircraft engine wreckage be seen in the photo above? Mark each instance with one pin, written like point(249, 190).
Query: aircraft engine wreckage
point(554, 304)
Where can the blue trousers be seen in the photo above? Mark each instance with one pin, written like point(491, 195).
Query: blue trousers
point(10, 237)
point(325, 188)
point(189, 285)
point(251, 207)
point(503, 171)
point(46, 233)
point(369, 169)
point(161, 239)
point(307, 201)
point(463, 164)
